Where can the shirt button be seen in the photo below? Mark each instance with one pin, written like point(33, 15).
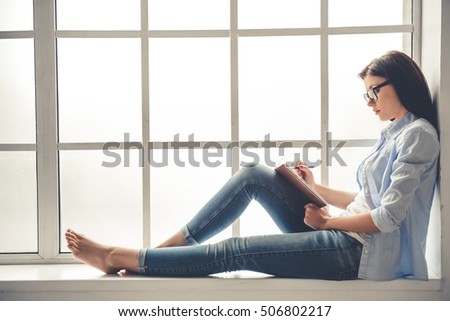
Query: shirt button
point(366, 251)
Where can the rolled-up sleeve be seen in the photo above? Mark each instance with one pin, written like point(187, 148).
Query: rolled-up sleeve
point(416, 151)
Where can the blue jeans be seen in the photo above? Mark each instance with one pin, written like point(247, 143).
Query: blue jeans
point(299, 252)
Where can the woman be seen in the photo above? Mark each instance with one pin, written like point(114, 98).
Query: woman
point(380, 235)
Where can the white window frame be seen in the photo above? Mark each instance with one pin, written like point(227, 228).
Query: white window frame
point(47, 146)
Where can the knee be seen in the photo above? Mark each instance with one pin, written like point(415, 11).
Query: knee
point(253, 167)
point(250, 164)
point(233, 245)
point(252, 171)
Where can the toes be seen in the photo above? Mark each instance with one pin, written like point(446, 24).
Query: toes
point(71, 239)
point(74, 234)
point(73, 248)
point(71, 234)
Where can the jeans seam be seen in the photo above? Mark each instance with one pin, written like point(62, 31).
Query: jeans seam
point(216, 213)
point(250, 255)
point(343, 275)
point(142, 268)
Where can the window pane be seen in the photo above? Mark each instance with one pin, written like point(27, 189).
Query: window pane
point(104, 202)
point(99, 89)
point(179, 192)
point(188, 14)
point(18, 202)
point(365, 12)
point(17, 108)
point(350, 117)
point(279, 87)
point(190, 89)
point(16, 15)
point(278, 14)
point(98, 14)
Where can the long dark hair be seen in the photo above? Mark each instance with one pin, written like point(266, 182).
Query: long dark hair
point(408, 81)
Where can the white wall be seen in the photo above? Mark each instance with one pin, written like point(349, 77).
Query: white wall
point(436, 66)
point(444, 105)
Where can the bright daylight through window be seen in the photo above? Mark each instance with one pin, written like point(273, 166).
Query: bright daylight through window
point(222, 78)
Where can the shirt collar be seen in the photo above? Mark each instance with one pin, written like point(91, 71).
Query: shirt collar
point(396, 126)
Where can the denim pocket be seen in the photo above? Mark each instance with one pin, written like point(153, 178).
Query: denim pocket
point(349, 274)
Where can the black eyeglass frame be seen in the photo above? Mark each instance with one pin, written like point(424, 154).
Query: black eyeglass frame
point(373, 91)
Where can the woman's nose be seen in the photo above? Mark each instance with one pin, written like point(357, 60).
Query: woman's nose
point(370, 103)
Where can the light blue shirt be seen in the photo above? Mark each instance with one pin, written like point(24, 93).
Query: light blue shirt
point(398, 180)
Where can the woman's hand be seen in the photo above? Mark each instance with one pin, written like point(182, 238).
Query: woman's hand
point(319, 219)
point(302, 170)
point(316, 217)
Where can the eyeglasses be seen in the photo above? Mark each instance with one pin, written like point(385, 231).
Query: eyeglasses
point(371, 94)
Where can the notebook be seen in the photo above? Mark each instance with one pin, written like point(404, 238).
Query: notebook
point(290, 175)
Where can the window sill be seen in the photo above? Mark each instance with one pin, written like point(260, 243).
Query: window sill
point(80, 282)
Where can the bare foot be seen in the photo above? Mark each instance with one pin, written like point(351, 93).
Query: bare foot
point(90, 252)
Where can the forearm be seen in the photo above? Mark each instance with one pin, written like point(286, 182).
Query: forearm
point(334, 197)
point(362, 223)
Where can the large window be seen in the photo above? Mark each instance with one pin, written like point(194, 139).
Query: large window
point(120, 118)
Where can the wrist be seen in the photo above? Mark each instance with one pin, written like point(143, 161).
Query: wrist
point(327, 223)
point(317, 188)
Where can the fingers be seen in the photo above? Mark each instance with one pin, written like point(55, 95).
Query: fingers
point(308, 219)
point(303, 168)
point(310, 205)
point(314, 216)
point(309, 208)
point(301, 164)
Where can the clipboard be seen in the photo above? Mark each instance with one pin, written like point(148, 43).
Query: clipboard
point(309, 194)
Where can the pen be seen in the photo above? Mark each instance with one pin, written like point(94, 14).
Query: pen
point(308, 166)
point(289, 164)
